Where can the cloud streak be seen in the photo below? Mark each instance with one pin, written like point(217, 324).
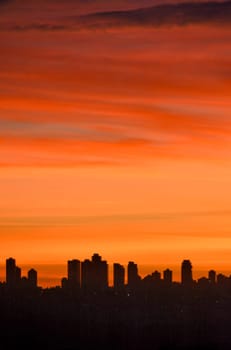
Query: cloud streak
point(84, 220)
point(104, 97)
point(176, 14)
point(167, 14)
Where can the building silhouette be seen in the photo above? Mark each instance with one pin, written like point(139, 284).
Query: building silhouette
point(156, 276)
point(203, 282)
point(150, 312)
point(18, 275)
point(73, 273)
point(64, 283)
point(118, 277)
point(14, 278)
point(94, 274)
point(133, 276)
point(168, 276)
point(221, 279)
point(186, 273)
point(99, 273)
point(11, 272)
point(32, 277)
point(212, 276)
point(86, 273)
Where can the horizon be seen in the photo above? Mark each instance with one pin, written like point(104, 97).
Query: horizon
point(52, 273)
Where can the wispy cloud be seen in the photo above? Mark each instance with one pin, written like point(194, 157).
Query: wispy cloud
point(84, 220)
point(160, 15)
point(57, 130)
point(167, 14)
point(102, 97)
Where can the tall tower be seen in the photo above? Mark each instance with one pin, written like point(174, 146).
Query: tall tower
point(18, 273)
point(99, 273)
point(168, 276)
point(212, 276)
point(94, 274)
point(86, 275)
point(186, 273)
point(11, 272)
point(118, 277)
point(156, 276)
point(133, 277)
point(73, 273)
point(32, 277)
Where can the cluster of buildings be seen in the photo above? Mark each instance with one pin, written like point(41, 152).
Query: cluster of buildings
point(91, 275)
point(14, 279)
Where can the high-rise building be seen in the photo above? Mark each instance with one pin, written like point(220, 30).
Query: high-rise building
point(11, 272)
point(118, 277)
point(133, 276)
point(73, 273)
point(64, 283)
point(94, 274)
point(222, 279)
point(212, 276)
point(168, 276)
point(32, 278)
point(96, 258)
point(18, 273)
point(99, 273)
point(86, 275)
point(156, 276)
point(186, 273)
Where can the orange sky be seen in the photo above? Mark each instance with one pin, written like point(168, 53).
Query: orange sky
point(113, 140)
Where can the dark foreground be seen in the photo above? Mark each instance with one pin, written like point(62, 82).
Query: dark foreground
point(161, 318)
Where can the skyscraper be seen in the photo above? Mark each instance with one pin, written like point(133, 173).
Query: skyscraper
point(32, 278)
point(94, 274)
point(212, 276)
point(186, 273)
point(133, 277)
point(168, 276)
point(118, 277)
point(99, 273)
point(64, 283)
point(156, 276)
point(86, 275)
point(11, 272)
point(18, 273)
point(73, 273)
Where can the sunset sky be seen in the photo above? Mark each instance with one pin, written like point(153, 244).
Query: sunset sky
point(115, 134)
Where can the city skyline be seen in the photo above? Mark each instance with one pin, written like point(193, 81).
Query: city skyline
point(115, 133)
point(75, 275)
point(134, 314)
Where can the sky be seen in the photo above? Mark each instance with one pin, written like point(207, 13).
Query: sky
point(115, 125)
